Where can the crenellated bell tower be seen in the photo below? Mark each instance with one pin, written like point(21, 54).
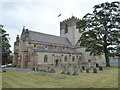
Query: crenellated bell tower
point(68, 30)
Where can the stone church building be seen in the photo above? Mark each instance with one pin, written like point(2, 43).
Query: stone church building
point(33, 49)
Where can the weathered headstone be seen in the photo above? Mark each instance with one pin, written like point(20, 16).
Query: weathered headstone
point(83, 67)
point(100, 68)
point(52, 70)
point(97, 65)
point(68, 72)
point(81, 70)
point(75, 71)
point(94, 70)
point(89, 62)
point(63, 72)
point(87, 70)
point(36, 68)
point(44, 70)
point(64, 69)
point(41, 68)
point(33, 69)
point(48, 69)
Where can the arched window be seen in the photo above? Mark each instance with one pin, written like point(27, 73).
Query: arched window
point(73, 58)
point(66, 28)
point(45, 58)
point(79, 58)
point(65, 59)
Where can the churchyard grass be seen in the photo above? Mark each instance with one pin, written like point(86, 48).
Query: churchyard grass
point(0, 78)
point(108, 78)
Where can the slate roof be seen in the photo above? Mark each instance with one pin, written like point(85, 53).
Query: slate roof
point(47, 38)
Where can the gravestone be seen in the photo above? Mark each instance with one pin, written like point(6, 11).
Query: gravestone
point(81, 70)
point(33, 69)
point(64, 69)
point(100, 68)
point(68, 72)
point(48, 69)
point(89, 62)
point(97, 65)
point(87, 70)
point(52, 70)
point(75, 71)
point(44, 69)
point(36, 68)
point(41, 68)
point(94, 70)
point(63, 72)
point(83, 67)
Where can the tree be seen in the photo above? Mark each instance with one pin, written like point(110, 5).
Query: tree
point(5, 45)
point(118, 52)
point(101, 30)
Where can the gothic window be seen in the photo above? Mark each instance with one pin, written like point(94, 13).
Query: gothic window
point(73, 58)
point(79, 58)
point(66, 28)
point(45, 58)
point(65, 59)
point(46, 46)
point(34, 45)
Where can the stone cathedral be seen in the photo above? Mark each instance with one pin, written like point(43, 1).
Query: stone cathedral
point(33, 48)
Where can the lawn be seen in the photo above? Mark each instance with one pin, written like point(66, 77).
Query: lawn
point(108, 78)
point(0, 78)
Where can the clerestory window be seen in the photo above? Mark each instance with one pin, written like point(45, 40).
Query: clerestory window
point(73, 58)
point(45, 58)
point(65, 59)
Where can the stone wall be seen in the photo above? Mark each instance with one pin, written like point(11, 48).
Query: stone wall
point(52, 57)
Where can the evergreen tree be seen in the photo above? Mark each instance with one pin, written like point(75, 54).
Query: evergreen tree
point(101, 30)
point(5, 45)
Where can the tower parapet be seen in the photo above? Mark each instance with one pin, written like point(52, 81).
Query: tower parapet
point(70, 22)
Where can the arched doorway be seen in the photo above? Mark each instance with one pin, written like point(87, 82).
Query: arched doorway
point(56, 62)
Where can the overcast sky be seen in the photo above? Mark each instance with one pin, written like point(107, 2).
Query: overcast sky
point(41, 15)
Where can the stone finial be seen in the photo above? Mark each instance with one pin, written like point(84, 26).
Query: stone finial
point(17, 38)
point(23, 28)
point(73, 16)
point(26, 30)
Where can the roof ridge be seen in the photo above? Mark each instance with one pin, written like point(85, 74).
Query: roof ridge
point(46, 34)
